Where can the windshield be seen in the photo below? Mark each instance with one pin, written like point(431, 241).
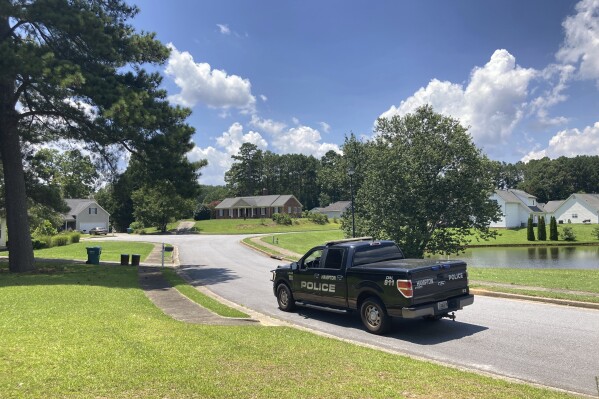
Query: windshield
point(377, 253)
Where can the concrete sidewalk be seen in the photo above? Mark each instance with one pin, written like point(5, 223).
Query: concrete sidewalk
point(171, 301)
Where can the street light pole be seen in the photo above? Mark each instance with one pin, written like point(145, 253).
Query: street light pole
point(350, 172)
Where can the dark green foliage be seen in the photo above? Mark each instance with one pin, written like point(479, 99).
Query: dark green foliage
point(39, 243)
point(541, 229)
point(530, 231)
point(315, 217)
point(567, 234)
point(553, 236)
point(423, 184)
point(74, 237)
point(60, 240)
point(156, 206)
point(282, 218)
point(202, 212)
point(595, 232)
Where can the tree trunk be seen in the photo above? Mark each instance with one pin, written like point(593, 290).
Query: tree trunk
point(20, 250)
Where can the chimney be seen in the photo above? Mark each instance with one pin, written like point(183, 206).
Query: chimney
point(264, 191)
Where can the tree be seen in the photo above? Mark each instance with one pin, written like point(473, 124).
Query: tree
point(73, 71)
point(553, 229)
point(245, 175)
point(425, 185)
point(530, 232)
point(541, 230)
point(158, 205)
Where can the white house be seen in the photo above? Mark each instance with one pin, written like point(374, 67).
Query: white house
point(2, 231)
point(85, 214)
point(516, 207)
point(336, 209)
point(578, 208)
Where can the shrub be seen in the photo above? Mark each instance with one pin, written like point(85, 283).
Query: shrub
point(202, 212)
point(530, 232)
point(136, 225)
point(335, 220)
point(595, 232)
point(60, 241)
point(553, 229)
point(318, 218)
point(38, 244)
point(567, 234)
point(45, 229)
point(541, 231)
point(75, 237)
point(47, 240)
point(282, 218)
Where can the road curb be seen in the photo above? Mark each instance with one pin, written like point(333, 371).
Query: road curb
point(563, 302)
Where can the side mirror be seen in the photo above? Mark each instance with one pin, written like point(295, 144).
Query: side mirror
point(294, 266)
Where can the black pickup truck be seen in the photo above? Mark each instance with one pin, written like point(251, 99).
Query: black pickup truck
point(375, 278)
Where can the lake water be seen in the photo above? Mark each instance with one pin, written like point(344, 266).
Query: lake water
point(576, 257)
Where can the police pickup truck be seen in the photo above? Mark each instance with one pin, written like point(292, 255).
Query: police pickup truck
point(375, 278)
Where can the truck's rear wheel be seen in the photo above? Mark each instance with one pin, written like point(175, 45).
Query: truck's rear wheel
point(285, 298)
point(374, 316)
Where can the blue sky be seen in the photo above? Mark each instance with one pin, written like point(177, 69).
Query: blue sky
point(298, 76)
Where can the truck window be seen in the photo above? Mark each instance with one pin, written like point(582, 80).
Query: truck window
point(334, 259)
point(377, 253)
point(313, 259)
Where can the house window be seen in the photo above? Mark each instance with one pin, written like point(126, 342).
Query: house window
point(288, 209)
point(220, 212)
point(575, 216)
point(262, 211)
point(93, 211)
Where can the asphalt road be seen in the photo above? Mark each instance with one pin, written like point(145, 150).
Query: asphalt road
point(546, 344)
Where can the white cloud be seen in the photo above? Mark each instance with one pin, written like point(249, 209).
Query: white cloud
point(200, 83)
point(492, 103)
point(295, 121)
point(325, 127)
point(267, 125)
point(303, 140)
point(581, 44)
point(569, 143)
point(224, 29)
point(263, 98)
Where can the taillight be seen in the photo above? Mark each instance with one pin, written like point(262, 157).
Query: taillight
point(405, 287)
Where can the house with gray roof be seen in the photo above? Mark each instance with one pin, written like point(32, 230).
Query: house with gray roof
point(577, 208)
point(516, 207)
point(262, 206)
point(85, 214)
point(335, 210)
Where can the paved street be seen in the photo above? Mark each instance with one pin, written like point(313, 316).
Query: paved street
point(547, 344)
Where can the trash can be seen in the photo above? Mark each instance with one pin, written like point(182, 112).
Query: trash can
point(135, 260)
point(124, 259)
point(93, 255)
point(129, 230)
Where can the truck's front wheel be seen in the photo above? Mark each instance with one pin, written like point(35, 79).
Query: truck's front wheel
point(285, 298)
point(374, 317)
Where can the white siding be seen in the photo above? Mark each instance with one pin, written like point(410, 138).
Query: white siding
point(575, 211)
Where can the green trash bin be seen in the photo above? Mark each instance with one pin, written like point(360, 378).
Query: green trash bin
point(135, 260)
point(93, 255)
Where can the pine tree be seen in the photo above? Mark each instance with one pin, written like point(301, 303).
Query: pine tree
point(541, 230)
point(530, 232)
point(553, 229)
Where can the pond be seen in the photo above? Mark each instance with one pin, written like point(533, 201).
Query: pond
point(575, 257)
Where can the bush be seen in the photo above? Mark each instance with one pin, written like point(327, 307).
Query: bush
point(45, 229)
point(530, 233)
point(60, 241)
point(282, 218)
point(38, 243)
point(136, 226)
point(318, 218)
point(202, 212)
point(74, 237)
point(553, 229)
point(595, 232)
point(567, 234)
point(46, 240)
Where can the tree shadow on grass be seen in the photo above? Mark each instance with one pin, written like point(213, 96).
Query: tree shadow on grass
point(67, 272)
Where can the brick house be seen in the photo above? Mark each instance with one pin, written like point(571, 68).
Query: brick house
point(263, 206)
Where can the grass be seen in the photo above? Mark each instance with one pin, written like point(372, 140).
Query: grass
point(111, 250)
point(583, 234)
point(86, 332)
point(563, 279)
point(539, 294)
point(257, 226)
point(204, 300)
point(301, 243)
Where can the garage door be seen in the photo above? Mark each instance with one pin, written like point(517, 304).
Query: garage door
point(87, 226)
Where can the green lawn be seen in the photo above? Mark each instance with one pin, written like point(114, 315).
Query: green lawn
point(583, 234)
point(86, 332)
point(302, 242)
point(111, 250)
point(257, 226)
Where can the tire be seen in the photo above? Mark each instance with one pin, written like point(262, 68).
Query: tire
point(285, 298)
point(374, 316)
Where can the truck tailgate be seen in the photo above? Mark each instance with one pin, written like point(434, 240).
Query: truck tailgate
point(439, 281)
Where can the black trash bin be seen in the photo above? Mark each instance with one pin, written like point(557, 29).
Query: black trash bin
point(135, 260)
point(124, 259)
point(93, 255)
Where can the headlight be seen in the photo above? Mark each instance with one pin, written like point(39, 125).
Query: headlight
point(272, 275)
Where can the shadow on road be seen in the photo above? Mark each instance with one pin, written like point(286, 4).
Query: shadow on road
point(202, 275)
point(417, 331)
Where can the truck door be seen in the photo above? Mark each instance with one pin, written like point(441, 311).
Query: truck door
point(332, 288)
point(305, 278)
